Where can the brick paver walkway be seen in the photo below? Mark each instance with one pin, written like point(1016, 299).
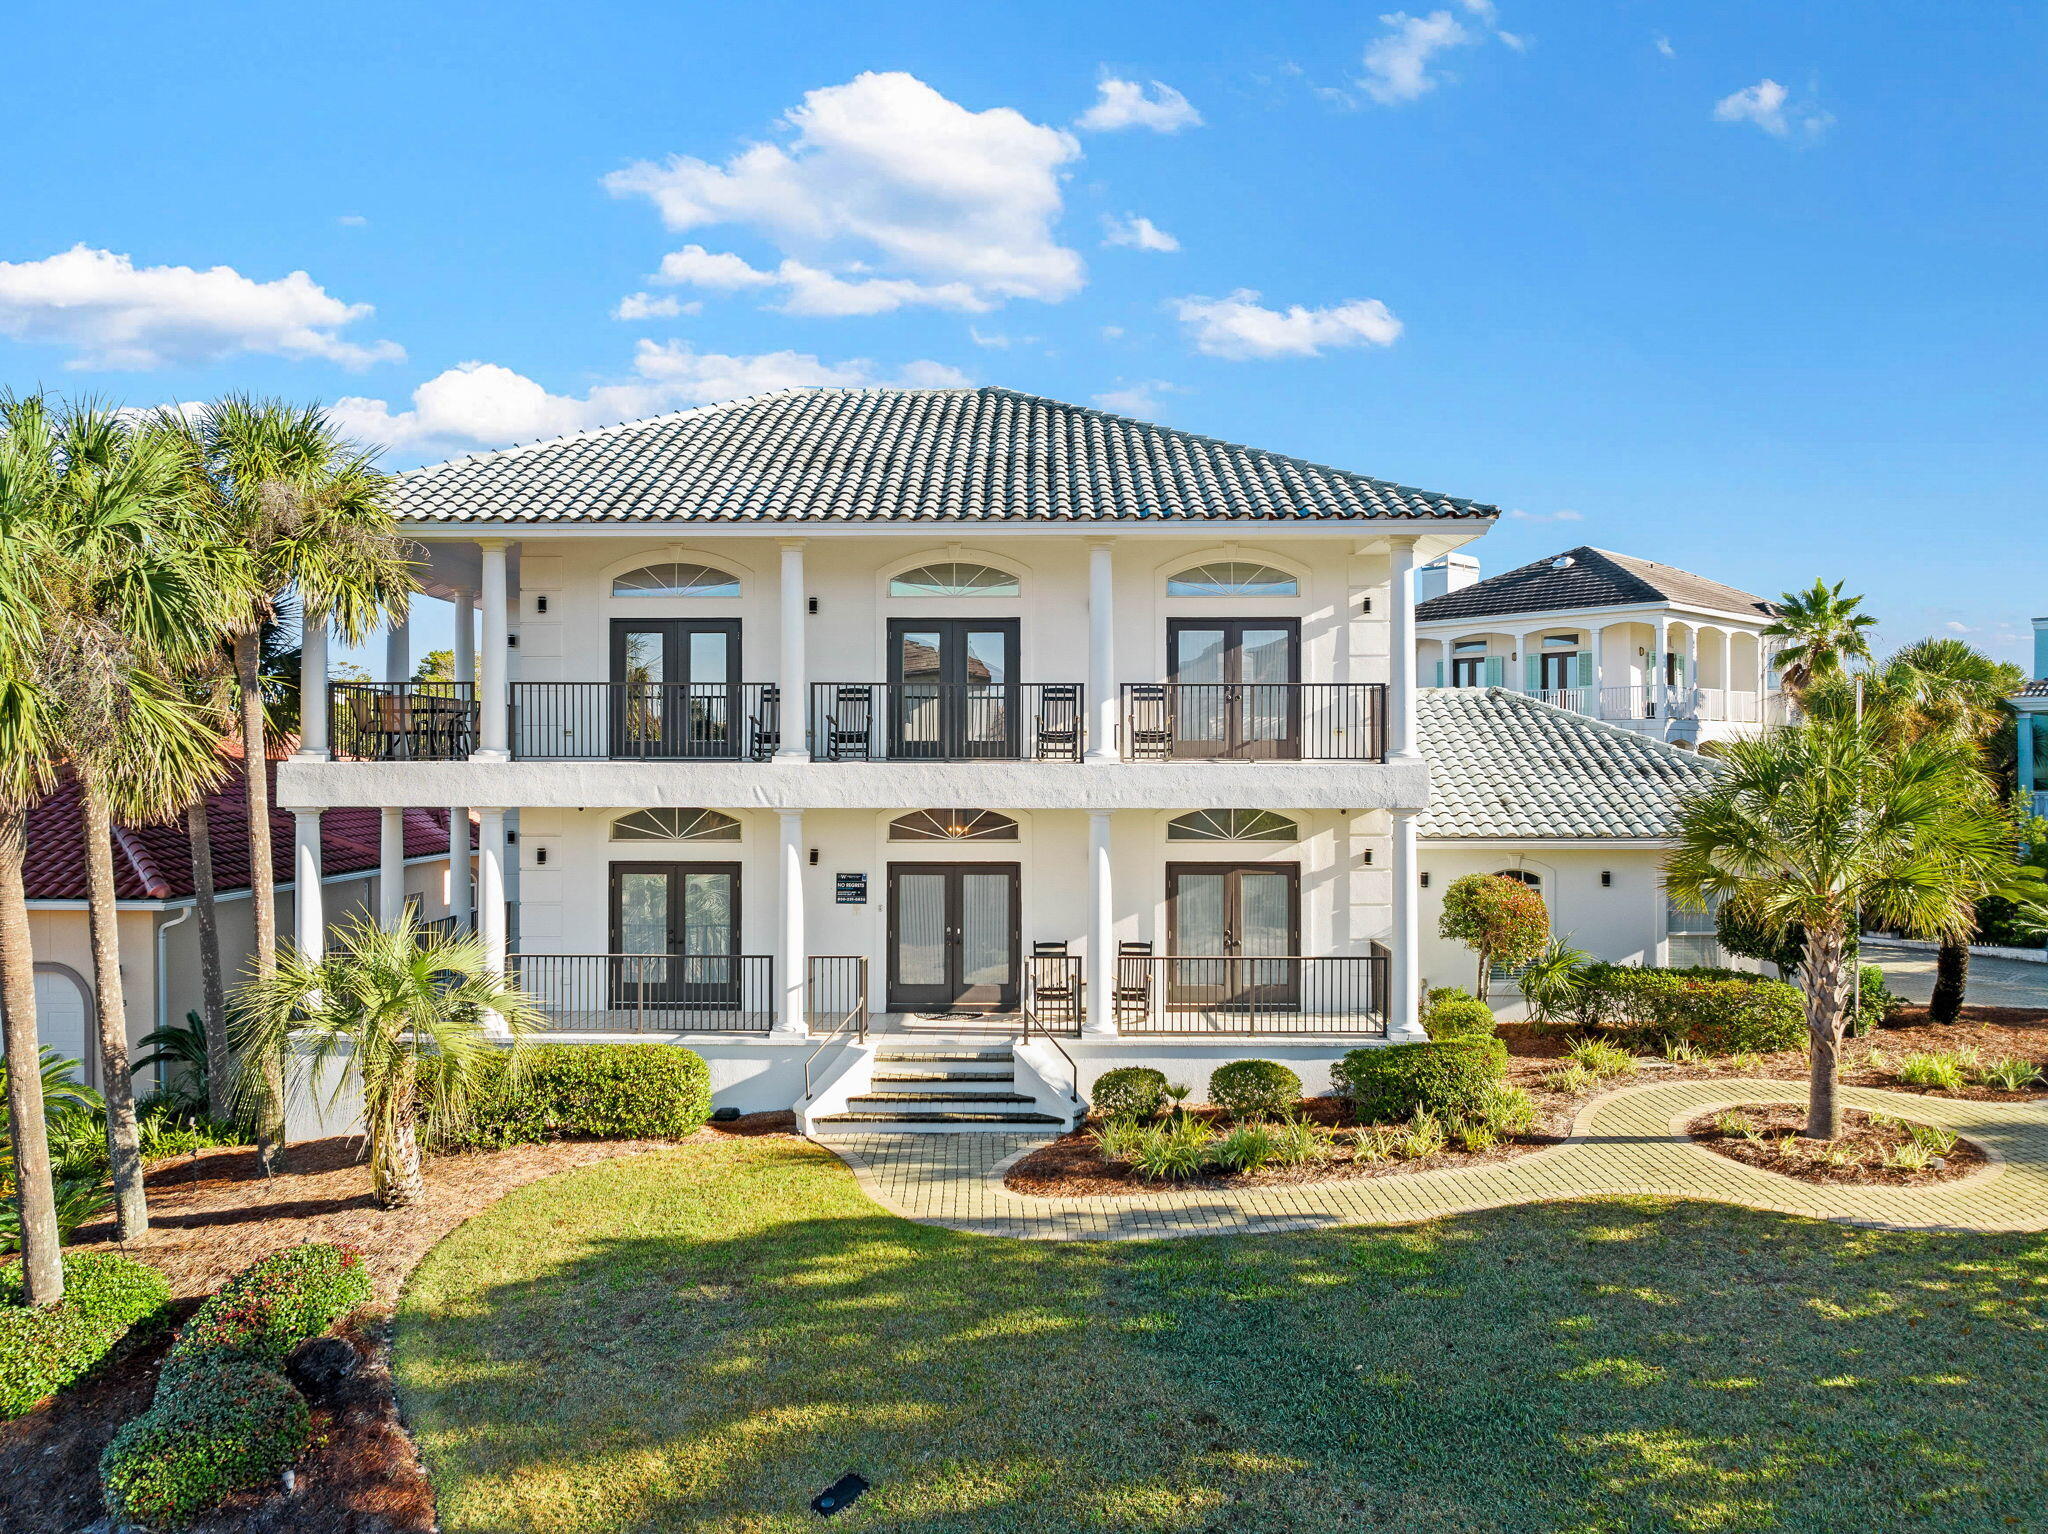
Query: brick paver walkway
point(1625, 1142)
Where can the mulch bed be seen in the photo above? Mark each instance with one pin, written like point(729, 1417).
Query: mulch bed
point(1863, 1136)
point(211, 1216)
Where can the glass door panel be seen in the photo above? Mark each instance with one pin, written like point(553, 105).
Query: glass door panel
point(1234, 693)
point(675, 688)
point(953, 937)
point(953, 688)
point(1233, 931)
point(1264, 931)
point(988, 937)
point(675, 934)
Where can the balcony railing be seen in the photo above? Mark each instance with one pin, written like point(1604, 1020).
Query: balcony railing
point(1179, 994)
point(650, 992)
point(1255, 721)
point(402, 721)
point(948, 722)
point(836, 992)
point(645, 721)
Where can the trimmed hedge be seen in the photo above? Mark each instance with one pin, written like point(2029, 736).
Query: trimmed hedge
point(272, 1306)
point(109, 1301)
point(1246, 1087)
point(1723, 1011)
point(587, 1092)
point(1129, 1092)
point(227, 1423)
point(1458, 1017)
point(1453, 1078)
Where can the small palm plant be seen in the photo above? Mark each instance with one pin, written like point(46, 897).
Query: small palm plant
point(410, 1011)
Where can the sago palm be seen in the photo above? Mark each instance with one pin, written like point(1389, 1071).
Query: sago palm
point(1822, 631)
point(407, 1013)
point(1820, 825)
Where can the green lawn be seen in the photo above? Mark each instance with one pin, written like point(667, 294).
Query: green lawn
point(703, 1338)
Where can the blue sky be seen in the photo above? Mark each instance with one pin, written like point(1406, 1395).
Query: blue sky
point(1753, 289)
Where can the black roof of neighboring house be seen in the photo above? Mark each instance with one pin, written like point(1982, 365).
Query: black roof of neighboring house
point(899, 455)
point(1589, 577)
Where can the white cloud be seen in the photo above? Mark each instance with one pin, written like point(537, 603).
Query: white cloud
point(1546, 516)
point(1768, 105)
point(1398, 62)
point(352, 221)
point(645, 306)
point(1138, 399)
point(114, 314)
point(1958, 628)
point(482, 404)
point(1138, 233)
point(1663, 46)
point(1112, 332)
point(1239, 328)
point(1125, 104)
point(703, 268)
point(886, 188)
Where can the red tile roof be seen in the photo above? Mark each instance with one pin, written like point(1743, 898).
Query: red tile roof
point(154, 862)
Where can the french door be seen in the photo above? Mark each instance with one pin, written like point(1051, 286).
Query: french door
point(1232, 932)
point(953, 937)
point(675, 935)
point(676, 689)
point(1234, 692)
point(953, 688)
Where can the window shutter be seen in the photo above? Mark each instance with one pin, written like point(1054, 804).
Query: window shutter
point(1677, 668)
point(1583, 669)
point(1496, 671)
point(1532, 673)
point(1439, 673)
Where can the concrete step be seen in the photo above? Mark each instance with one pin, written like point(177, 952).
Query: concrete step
point(911, 1122)
point(943, 1056)
point(935, 1099)
point(941, 1078)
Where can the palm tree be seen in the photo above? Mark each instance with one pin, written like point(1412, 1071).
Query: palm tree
point(1822, 629)
point(1819, 823)
point(407, 1012)
point(307, 509)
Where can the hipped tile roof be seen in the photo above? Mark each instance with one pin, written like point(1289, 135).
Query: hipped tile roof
point(1590, 577)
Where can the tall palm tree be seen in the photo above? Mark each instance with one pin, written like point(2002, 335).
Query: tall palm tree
point(1816, 823)
point(405, 1010)
point(27, 771)
point(1821, 630)
point(307, 509)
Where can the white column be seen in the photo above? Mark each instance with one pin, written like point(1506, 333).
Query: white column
point(398, 645)
point(1518, 678)
point(790, 959)
point(794, 682)
point(1660, 687)
point(493, 663)
point(309, 909)
point(1102, 964)
point(1102, 720)
point(1596, 643)
point(460, 906)
point(1404, 978)
point(465, 635)
point(390, 867)
point(1692, 659)
point(490, 887)
point(313, 705)
point(1401, 651)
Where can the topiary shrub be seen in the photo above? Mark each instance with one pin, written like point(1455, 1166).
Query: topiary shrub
point(1720, 1011)
point(1459, 1017)
point(1502, 920)
point(1875, 1001)
point(587, 1092)
point(270, 1307)
point(1248, 1088)
point(226, 1423)
point(110, 1302)
point(1129, 1092)
point(1452, 1079)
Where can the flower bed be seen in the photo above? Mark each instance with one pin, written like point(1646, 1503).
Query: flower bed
point(1873, 1148)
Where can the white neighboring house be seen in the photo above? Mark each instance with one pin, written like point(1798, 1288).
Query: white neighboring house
point(1635, 643)
point(2030, 706)
point(1001, 726)
point(1581, 810)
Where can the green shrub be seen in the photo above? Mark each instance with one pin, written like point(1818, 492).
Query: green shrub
point(228, 1423)
point(1942, 1072)
point(1602, 1058)
point(1174, 1150)
point(587, 1092)
point(109, 1301)
point(1245, 1149)
point(1874, 999)
point(1508, 1110)
point(270, 1307)
point(1129, 1092)
point(2011, 1073)
point(1398, 1080)
point(1458, 1018)
point(1295, 1142)
point(1250, 1088)
point(1720, 1011)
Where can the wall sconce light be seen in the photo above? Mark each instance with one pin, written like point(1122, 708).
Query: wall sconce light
point(1365, 604)
point(540, 603)
point(814, 857)
point(1368, 854)
point(812, 607)
point(1606, 878)
point(1423, 880)
point(540, 855)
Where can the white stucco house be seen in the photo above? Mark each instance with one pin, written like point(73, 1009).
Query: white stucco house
point(1638, 644)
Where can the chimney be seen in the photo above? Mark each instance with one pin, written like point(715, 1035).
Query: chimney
point(1453, 572)
point(2040, 648)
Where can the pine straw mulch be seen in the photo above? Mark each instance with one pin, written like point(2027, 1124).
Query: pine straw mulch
point(1866, 1138)
point(211, 1216)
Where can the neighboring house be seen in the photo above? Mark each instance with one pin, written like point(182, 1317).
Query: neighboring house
point(979, 715)
point(1638, 644)
point(1581, 810)
point(159, 937)
point(2031, 707)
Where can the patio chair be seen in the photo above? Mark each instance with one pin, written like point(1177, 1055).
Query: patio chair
point(849, 724)
point(1055, 982)
point(1059, 722)
point(766, 726)
point(1132, 996)
point(1150, 722)
point(378, 723)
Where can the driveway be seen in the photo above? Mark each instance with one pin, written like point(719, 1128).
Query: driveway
point(1993, 982)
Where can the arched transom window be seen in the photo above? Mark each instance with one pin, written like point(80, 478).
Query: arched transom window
point(675, 826)
point(1232, 578)
point(954, 580)
point(953, 826)
point(676, 580)
point(1232, 826)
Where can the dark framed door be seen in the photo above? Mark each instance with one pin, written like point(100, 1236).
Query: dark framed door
point(1232, 932)
point(675, 935)
point(952, 688)
point(954, 937)
point(1234, 693)
point(676, 688)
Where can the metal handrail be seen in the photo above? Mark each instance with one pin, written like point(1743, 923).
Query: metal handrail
point(1254, 721)
point(858, 1015)
point(1031, 1017)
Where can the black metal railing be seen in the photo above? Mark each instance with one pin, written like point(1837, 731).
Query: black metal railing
point(947, 722)
point(1255, 721)
point(835, 1004)
point(650, 992)
point(1181, 994)
point(401, 721)
point(445, 929)
point(645, 721)
point(1056, 993)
